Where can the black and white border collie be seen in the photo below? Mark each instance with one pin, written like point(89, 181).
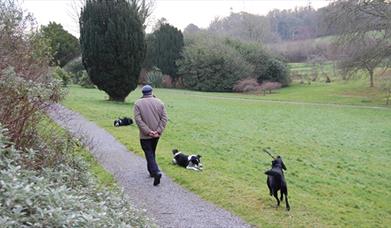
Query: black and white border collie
point(187, 161)
point(125, 121)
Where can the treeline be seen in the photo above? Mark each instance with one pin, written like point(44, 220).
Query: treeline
point(300, 34)
point(278, 25)
point(287, 33)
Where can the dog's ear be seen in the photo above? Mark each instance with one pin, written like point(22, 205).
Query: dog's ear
point(174, 151)
point(199, 156)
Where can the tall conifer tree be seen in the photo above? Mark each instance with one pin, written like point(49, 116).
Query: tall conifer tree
point(112, 41)
point(165, 48)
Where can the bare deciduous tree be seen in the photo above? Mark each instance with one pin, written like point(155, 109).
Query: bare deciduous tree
point(364, 28)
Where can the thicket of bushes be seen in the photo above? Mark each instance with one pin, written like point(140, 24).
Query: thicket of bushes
point(47, 185)
point(63, 194)
point(209, 65)
point(215, 64)
point(78, 74)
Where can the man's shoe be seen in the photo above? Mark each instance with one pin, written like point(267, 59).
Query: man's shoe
point(157, 177)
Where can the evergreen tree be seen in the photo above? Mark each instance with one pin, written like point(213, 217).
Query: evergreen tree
point(64, 46)
point(113, 45)
point(165, 47)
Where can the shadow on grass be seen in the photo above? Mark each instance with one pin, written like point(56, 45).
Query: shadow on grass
point(116, 102)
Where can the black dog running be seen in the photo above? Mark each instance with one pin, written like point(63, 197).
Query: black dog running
point(276, 181)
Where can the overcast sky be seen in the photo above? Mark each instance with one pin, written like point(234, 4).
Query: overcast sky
point(178, 13)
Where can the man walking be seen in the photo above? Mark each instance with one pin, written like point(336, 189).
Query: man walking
point(151, 118)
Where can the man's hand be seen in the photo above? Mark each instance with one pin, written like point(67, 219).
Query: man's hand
point(154, 134)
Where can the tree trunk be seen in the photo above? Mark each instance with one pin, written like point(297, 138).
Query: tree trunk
point(371, 77)
point(117, 99)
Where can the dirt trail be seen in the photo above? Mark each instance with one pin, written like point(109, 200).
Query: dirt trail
point(169, 204)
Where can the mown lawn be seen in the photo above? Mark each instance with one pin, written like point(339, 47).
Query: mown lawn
point(337, 156)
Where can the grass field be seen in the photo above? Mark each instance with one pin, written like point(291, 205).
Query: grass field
point(337, 156)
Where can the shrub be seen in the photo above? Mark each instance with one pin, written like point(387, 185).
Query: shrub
point(60, 74)
point(246, 85)
point(155, 78)
point(75, 68)
point(209, 65)
point(253, 53)
point(22, 102)
point(269, 86)
point(20, 47)
point(85, 81)
point(25, 87)
point(45, 187)
point(61, 196)
point(276, 71)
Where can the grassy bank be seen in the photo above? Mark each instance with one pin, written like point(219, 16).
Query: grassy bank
point(336, 156)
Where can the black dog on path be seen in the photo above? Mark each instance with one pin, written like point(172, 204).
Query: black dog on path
point(276, 181)
point(125, 121)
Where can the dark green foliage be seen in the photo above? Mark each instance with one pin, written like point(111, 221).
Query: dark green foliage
point(155, 78)
point(113, 45)
point(164, 48)
point(64, 46)
point(149, 60)
point(35, 193)
point(214, 64)
point(78, 74)
point(253, 53)
point(209, 65)
point(276, 71)
point(266, 66)
point(84, 80)
point(60, 74)
point(74, 66)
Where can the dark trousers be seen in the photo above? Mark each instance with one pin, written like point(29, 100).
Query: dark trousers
point(149, 148)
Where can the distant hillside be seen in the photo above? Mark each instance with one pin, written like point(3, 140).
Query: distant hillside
point(278, 25)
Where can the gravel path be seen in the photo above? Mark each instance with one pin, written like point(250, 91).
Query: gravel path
point(168, 204)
